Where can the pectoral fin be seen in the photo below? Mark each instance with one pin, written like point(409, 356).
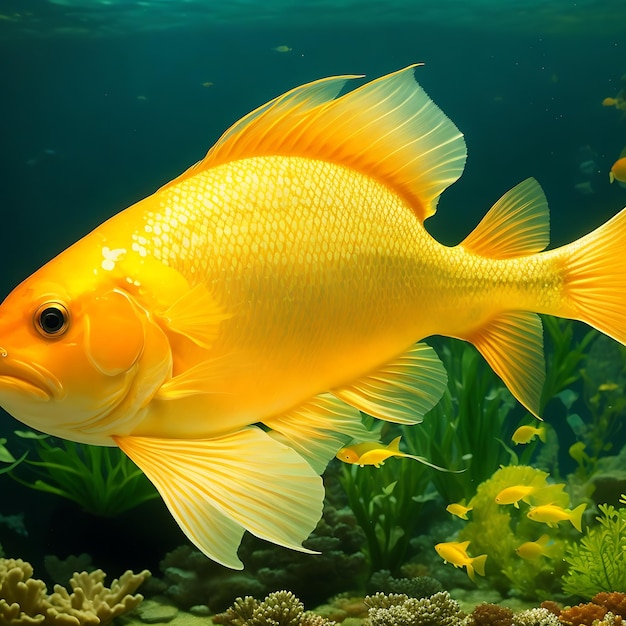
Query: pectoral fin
point(196, 315)
point(216, 488)
point(401, 391)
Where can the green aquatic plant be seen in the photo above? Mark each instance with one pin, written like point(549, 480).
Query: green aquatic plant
point(102, 481)
point(565, 354)
point(604, 394)
point(387, 502)
point(500, 531)
point(598, 561)
point(464, 431)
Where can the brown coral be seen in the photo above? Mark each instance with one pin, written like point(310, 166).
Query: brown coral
point(582, 614)
point(24, 600)
point(614, 601)
point(490, 615)
point(551, 606)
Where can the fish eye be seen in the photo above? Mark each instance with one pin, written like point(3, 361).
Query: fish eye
point(52, 319)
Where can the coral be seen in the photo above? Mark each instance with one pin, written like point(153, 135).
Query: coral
point(24, 600)
point(598, 561)
point(415, 587)
point(61, 570)
point(490, 615)
point(281, 608)
point(614, 601)
point(192, 579)
point(582, 614)
point(340, 566)
point(552, 607)
point(535, 617)
point(399, 610)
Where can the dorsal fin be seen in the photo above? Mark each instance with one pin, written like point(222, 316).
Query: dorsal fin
point(388, 129)
point(518, 224)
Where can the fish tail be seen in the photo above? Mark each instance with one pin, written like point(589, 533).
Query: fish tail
point(576, 517)
point(594, 280)
point(478, 563)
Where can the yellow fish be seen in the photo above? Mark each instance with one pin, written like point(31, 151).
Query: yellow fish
point(456, 553)
point(618, 171)
point(459, 509)
point(374, 453)
point(226, 331)
point(515, 493)
point(532, 550)
point(552, 514)
point(525, 434)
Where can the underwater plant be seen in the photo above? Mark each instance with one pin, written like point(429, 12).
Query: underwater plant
point(386, 502)
point(598, 561)
point(604, 394)
point(564, 356)
point(463, 431)
point(102, 481)
point(523, 553)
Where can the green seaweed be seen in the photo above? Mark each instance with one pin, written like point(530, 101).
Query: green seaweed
point(387, 502)
point(598, 561)
point(463, 431)
point(102, 481)
point(604, 394)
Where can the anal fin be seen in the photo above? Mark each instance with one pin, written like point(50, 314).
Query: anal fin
point(512, 344)
point(216, 488)
point(401, 391)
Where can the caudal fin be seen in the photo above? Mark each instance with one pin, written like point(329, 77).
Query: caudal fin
point(595, 278)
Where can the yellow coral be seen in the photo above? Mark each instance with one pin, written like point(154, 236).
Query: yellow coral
point(24, 600)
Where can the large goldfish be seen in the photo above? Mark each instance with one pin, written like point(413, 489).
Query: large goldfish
point(225, 331)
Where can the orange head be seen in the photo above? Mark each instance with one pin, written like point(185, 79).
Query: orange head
point(79, 356)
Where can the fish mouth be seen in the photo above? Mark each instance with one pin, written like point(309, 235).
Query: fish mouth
point(27, 379)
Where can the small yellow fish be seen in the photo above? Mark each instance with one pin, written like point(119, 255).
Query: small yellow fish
point(608, 387)
point(227, 331)
point(456, 553)
point(282, 49)
point(207, 83)
point(459, 509)
point(532, 550)
point(525, 434)
point(618, 171)
point(552, 514)
point(513, 495)
point(374, 453)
